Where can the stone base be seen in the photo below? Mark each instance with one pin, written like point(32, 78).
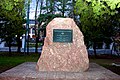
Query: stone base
point(27, 71)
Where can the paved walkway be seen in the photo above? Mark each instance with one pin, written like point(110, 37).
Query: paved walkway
point(27, 71)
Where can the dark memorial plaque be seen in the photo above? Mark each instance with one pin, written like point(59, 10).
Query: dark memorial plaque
point(62, 35)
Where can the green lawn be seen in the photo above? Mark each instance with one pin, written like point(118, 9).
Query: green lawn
point(7, 62)
point(107, 63)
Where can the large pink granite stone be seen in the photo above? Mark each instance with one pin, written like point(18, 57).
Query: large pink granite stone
point(57, 56)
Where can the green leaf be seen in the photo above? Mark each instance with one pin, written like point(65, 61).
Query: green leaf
point(118, 5)
point(88, 0)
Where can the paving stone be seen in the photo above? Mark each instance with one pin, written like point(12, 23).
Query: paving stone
point(27, 71)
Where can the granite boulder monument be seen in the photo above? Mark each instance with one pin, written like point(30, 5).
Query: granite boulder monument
point(64, 48)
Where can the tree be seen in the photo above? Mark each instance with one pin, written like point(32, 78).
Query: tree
point(64, 6)
point(12, 14)
point(99, 7)
point(47, 13)
point(9, 5)
point(96, 19)
point(36, 45)
point(72, 13)
point(19, 23)
point(49, 9)
point(6, 33)
point(104, 6)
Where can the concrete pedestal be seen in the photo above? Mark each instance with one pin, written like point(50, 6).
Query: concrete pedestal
point(27, 71)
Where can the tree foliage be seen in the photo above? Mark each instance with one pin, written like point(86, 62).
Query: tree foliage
point(54, 8)
point(12, 17)
point(98, 19)
point(9, 4)
point(99, 7)
point(94, 16)
point(64, 6)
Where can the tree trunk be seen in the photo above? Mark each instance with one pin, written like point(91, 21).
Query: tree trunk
point(63, 7)
point(18, 44)
point(94, 47)
point(9, 45)
point(73, 4)
point(36, 45)
point(27, 25)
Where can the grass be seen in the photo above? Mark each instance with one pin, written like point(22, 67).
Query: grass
point(107, 63)
point(7, 62)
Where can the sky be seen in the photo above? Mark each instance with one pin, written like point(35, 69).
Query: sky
point(32, 9)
